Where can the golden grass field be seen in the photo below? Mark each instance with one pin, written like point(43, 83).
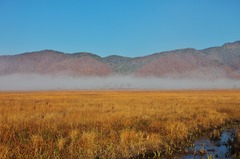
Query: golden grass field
point(109, 124)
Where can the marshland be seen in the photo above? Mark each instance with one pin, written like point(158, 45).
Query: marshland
point(113, 124)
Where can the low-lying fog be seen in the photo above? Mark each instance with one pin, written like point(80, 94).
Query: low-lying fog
point(41, 82)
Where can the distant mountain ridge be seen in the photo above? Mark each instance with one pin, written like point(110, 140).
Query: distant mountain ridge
point(214, 62)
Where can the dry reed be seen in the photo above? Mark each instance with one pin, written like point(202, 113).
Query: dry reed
point(108, 124)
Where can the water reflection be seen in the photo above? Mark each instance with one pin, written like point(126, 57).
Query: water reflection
point(216, 149)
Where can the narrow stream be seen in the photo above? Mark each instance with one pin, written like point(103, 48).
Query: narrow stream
point(214, 149)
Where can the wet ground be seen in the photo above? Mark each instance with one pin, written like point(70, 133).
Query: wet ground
point(214, 149)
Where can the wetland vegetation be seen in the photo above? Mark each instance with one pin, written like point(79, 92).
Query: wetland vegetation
point(113, 124)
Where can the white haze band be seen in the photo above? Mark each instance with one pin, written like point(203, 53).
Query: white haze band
point(46, 82)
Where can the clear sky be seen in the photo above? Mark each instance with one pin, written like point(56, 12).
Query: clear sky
point(120, 27)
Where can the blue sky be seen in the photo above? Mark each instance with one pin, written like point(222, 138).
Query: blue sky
point(120, 27)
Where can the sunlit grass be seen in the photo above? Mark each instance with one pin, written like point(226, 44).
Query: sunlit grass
point(109, 124)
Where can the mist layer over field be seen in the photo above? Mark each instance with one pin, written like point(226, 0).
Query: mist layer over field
point(46, 82)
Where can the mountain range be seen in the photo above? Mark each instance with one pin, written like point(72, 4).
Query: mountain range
point(211, 63)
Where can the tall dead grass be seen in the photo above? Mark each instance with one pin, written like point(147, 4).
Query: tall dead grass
point(108, 124)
